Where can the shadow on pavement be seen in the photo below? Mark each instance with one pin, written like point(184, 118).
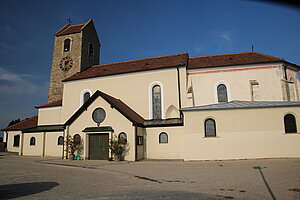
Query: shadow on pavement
point(24, 189)
point(265, 181)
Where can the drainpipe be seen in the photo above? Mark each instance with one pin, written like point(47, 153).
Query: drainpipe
point(179, 90)
point(44, 144)
point(6, 141)
point(67, 156)
point(22, 144)
point(63, 149)
point(135, 134)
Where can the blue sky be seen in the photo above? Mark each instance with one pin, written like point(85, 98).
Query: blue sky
point(133, 29)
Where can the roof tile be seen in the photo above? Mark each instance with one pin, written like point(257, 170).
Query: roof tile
point(25, 124)
point(132, 66)
point(51, 104)
point(230, 59)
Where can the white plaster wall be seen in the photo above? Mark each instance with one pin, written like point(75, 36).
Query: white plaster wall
point(10, 143)
point(237, 82)
point(131, 88)
point(171, 150)
point(241, 134)
point(51, 146)
point(33, 150)
point(49, 116)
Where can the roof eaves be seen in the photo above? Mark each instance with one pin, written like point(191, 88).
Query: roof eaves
point(242, 64)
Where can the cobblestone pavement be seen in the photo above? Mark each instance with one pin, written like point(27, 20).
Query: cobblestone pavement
point(52, 178)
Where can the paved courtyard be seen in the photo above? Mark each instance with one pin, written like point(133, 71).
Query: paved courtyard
point(52, 178)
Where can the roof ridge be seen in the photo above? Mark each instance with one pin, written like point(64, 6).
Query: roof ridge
point(139, 59)
point(239, 53)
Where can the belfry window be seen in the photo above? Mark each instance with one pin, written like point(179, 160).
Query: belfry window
point(222, 93)
point(290, 123)
point(156, 102)
point(210, 128)
point(91, 50)
point(67, 45)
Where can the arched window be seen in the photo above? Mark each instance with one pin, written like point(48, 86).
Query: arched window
point(67, 45)
point(123, 135)
point(222, 93)
point(290, 123)
point(77, 139)
point(210, 128)
point(156, 102)
point(86, 96)
point(91, 50)
point(60, 140)
point(32, 141)
point(163, 137)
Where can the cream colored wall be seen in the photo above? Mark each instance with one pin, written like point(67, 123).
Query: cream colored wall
point(294, 75)
point(171, 150)
point(254, 133)
point(10, 143)
point(113, 118)
point(33, 150)
point(49, 116)
point(131, 88)
point(238, 85)
point(51, 147)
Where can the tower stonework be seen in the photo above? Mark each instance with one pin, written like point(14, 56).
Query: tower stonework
point(76, 48)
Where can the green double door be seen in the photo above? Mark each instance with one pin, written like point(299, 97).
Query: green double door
point(98, 146)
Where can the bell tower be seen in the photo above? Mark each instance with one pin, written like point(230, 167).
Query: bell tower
point(76, 48)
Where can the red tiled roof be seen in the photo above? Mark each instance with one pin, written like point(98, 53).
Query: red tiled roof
point(70, 29)
point(132, 66)
point(51, 104)
point(25, 124)
point(123, 108)
point(231, 59)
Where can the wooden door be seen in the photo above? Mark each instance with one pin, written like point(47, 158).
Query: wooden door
point(98, 146)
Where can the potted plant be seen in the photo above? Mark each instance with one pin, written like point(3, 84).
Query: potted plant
point(118, 148)
point(74, 147)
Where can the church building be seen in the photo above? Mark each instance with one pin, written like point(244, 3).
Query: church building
point(230, 106)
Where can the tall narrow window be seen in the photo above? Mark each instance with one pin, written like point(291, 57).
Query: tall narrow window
point(222, 93)
point(156, 102)
point(210, 128)
point(91, 50)
point(86, 96)
point(32, 141)
point(16, 141)
point(67, 45)
point(290, 123)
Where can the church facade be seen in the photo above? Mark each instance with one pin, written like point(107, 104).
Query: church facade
point(230, 106)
